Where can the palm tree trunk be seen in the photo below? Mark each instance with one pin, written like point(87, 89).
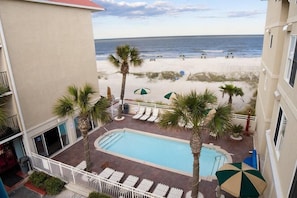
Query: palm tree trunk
point(196, 145)
point(230, 100)
point(195, 182)
point(122, 95)
point(86, 150)
point(84, 126)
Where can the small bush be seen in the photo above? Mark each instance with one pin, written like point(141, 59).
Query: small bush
point(97, 195)
point(53, 186)
point(152, 75)
point(169, 75)
point(236, 129)
point(38, 178)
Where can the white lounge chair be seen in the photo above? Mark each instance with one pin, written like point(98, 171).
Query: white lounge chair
point(106, 173)
point(131, 180)
point(147, 114)
point(82, 165)
point(154, 115)
point(116, 176)
point(144, 186)
point(139, 113)
point(175, 193)
point(161, 190)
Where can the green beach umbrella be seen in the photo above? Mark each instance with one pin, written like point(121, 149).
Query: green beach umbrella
point(142, 91)
point(241, 180)
point(170, 95)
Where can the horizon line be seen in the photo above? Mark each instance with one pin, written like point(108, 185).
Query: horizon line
point(202, 35)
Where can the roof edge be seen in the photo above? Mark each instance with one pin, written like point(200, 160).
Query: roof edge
point(93, 9)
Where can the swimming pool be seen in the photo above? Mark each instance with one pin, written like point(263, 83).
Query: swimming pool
point(161, 151)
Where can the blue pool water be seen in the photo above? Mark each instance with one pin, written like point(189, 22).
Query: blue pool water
point(160, 151)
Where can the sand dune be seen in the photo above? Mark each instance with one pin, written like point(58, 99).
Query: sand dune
point(234, 67)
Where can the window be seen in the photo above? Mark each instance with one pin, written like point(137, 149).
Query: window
point(292, 62)
point(52, 140)
point(280, 130)
point(78, 133)
point(63, 134)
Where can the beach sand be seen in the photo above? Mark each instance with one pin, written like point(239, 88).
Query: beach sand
point(231, 67)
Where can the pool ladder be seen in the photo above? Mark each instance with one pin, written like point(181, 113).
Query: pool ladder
point(219, 161)
point(110, 140)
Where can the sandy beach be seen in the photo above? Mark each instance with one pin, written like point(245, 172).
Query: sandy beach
point(234, 68)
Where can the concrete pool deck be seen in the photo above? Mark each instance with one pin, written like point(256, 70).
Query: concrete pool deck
point(74, 155)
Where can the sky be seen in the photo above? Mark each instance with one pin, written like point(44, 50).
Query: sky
point(148, 18)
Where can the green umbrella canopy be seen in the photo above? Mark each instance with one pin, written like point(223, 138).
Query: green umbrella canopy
point(241, 180)
point(142, 91)
point(170, 95)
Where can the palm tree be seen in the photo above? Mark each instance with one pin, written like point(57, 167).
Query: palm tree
point(79, 99)
point(194, 109)
point(125, 55)
point(231, 90)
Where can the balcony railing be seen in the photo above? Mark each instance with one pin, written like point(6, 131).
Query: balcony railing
point(90, 181)
point(4, 83)
point(9, 128)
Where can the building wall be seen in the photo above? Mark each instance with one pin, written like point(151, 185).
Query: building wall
point(277, 165)
point(50, 47)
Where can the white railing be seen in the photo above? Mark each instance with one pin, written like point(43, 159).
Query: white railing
point(242, 120)
point(90, 181)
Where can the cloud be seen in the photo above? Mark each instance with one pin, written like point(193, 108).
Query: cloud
point(144, 9)
point(239, 14)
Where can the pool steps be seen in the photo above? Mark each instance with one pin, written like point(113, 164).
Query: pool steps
point(110, 139)
point(219, 161)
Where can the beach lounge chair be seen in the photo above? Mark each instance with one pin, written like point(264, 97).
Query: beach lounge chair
point(116, 176)
point(106, 173)
point(130, 181)
point(144, 186)
point(161, 190)
point(139, 113)
point(154, 115)
point(147, 114)
point(175, 193)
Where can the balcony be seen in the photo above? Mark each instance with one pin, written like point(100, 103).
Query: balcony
point(4, 85)
point(9, 128)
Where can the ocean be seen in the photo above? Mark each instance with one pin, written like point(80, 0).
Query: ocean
point(185, 46)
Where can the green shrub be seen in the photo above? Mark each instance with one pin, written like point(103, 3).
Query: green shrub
point(38, 178)
point(169, 75)
point(152, 75)
point(236, 129)
point(53, 185)
point(97, 195)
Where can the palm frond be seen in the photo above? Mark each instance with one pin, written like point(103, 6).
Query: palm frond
point(221, 122)
point(64, 107)
point(99, 110)
point(114, 61)
point(73, 92)
point(85, 97)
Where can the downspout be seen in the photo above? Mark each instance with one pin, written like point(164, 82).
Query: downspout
point(14, 91)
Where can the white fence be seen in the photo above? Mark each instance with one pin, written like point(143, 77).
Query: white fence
point(90, 181)
point(242, 120)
